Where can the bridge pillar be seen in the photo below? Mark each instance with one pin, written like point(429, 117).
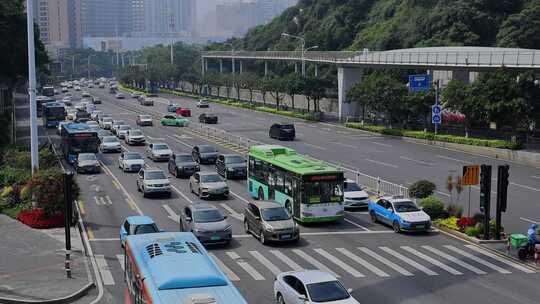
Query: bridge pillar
point(296, 68)
point(316, 70)
point(347, 77)
point(241, 67)
point(221, 66)
point(265, 68)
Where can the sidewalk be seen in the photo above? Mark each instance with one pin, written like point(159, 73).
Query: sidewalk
point(32, 264)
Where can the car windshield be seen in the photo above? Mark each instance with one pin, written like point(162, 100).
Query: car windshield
point(125, 128)
point(160, 147)
point(406, 206)
point(324, 191)
point(234, 160)
point(135, 133)
point(350, 187)
point(287, 127)
point(207, 149)
point(183, 158)
point(145, 117)
point(133, 156)
point(275, 214)
point(212, 178)
point(110, 139)
point(327, 291)
point(155, 175)
point(207, 216)
point(147, 228)
point(87, 157)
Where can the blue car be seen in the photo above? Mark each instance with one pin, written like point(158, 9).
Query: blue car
point(401, 214)
point(139, 224)
point(172, 107)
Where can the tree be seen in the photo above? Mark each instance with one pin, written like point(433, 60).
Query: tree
point(277, 86)
point(293, 86)
point(422, 189)
point(249, 82)
point(263, 85)
point(315, 89)
point(521, 30)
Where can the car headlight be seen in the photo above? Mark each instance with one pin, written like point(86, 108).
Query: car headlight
point(268, 227)
point(404, 221)
point(230, 169)
point(199, 230)
point(228, 228)
point(204, 189)
point(197, 167)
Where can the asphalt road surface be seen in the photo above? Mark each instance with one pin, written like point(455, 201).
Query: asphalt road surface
point(380, 265)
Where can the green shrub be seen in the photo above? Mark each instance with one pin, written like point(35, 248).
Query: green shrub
point(422, 189)
point(433, 206)
point(450, 223)
point(471, 231)
point(10, 176)
point(47, 187)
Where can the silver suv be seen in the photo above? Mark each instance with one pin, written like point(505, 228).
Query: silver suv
point(153, 181)
point(207, 223)
point(270, 221)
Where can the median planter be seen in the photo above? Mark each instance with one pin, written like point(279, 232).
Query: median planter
point(465, 228)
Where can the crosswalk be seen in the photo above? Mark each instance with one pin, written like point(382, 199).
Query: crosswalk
point(359, 262)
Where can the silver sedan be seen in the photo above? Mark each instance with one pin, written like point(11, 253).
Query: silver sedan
point(208, 184)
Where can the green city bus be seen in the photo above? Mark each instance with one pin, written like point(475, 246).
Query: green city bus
point(310, 189)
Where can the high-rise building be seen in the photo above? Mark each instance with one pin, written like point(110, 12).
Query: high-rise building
point(52, 17)
point(165, 17)
point(106, 18)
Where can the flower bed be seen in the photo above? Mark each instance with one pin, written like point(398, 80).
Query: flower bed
point(37, 219)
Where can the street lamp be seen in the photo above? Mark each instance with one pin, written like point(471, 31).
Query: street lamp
point(32, 86)
point(303, 49)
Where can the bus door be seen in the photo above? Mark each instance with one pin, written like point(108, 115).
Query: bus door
point(271, 182)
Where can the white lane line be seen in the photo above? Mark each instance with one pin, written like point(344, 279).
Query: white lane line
point(314, 262)
point(409, 261)
point(314, 146)
point(529, 220)
point(97, 200)
point(105, 239)
point(344, 145)
point(534, 176)
point(363, 262)
point(120, 258)
point(381, 163)
point(500, 259)
point(355, 273)
point(232, 276)
point(285, 259)
point(246, 266)
point(381, 144)
point(477, 259)
point(273, 268)
point(443, 193)
point(179, 141)
point(347, 232)
point(239, 197)
point(525, 187)
point(453, 159)
point(432, 260)
point(385, 261)
point(109, 201)
point(102, 200)
point(233, 213)
point(182, 194)
point(355, 224)
point(416, 161)
point(171, 214)
point(104, 271)
point(126, 194)
point(454, 260)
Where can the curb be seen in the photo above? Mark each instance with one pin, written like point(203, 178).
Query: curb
point(68, 299)
point(471, 239)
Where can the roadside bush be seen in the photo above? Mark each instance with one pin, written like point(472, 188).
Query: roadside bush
point(47, 187)
point(478, 217)
point(433, 206)
point(39, 219)
point(466, 222)
point(422, 189)
point(10, 176)
point(455, 210)
point(450, 223)
point(471, 231)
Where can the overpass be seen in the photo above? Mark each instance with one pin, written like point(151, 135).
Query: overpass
point(460, 61)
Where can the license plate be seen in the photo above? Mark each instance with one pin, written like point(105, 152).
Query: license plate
point(285, 236)
point(215, 238)
point(420, 227)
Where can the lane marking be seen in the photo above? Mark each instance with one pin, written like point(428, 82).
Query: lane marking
point(432, 260)
point(104, 271)
point(90, 233)
point(314, 262)
point(534, 176)
point(314, 146)
point(233, 213)
point(115, 183)
point(416, 161)
point(525, 187)
point(171, 214)
point(453, 159)
point(355, 273)
point(246, 266)
point(81, 207)
point(130, 204)
point(355, 224)
point(232, 276)
point(263, 260)
point(454, 260)
point(182, 194)
point(179, 141)
point(477, 259)
point(500, 259)
point(285, 259)
point(98, 202)
point(106, 240)
point(126, 194)
point(529, 220)
point(381, 144)
point(381, 163)
point(120, 258)
point(344, 145)
point(239, 197)
point(362, 262)
point(409, 261)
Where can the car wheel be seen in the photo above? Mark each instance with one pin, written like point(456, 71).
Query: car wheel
point(262, 238)
point(246, 227)
point(373, 217)
point(279, 299)
point(289, 207)
point(177, 173)
point(199, 192)
point(143, 193)
point(396, 227)
point(260, 194)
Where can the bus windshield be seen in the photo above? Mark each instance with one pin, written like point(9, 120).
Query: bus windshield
point(324, 191)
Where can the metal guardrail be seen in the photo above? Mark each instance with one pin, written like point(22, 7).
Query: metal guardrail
point(472, 58)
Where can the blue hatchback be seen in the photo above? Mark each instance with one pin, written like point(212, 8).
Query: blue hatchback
point(139, 224)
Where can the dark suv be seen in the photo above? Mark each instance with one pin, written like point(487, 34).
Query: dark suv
point(182, 165)
point(282, 131)
point(204, 154)
point(231, 166)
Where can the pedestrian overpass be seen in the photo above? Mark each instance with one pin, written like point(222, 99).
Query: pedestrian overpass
point(459, 61)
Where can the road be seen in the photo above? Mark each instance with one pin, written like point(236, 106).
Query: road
point(370, 258)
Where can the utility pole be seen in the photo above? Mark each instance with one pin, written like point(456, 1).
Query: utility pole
point(502, 195)
point(436, 101)
point(32, 86)
point(68, 211)
point(485, 196)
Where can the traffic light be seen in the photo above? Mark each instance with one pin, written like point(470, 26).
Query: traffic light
point(502, 186)
point(485, 187)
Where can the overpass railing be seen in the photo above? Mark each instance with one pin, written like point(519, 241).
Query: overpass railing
point(479, 59)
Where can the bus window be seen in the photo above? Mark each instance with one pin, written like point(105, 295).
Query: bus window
point(288, 186)
point(324, 191)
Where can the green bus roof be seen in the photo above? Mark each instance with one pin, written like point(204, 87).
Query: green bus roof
point(288, 159)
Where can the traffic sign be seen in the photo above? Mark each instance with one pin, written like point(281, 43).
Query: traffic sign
point(471, 175)
point(436, 114)
point(419, 83)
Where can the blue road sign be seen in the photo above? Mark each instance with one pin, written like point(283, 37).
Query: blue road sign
point(436, 115)
point(419, 83)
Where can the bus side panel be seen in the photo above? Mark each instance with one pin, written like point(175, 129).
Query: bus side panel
point(253, 188)
point(282, 198)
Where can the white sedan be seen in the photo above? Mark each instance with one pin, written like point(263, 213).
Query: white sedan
point(310, 286)
point(130, 161)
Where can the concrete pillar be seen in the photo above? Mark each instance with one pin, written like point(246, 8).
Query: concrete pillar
point(462, 75)
point(221, 66)
point(241, 67)
point(265, 68)
point(206, 65)
point(296, 68)
point(316, 70)
point(347, 77)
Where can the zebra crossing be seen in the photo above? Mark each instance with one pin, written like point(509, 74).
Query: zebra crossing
point(359, 262)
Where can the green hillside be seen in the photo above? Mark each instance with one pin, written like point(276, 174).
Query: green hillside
point(391, 24)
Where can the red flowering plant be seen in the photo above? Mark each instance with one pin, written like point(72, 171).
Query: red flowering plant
point(465, 222)
point(39, 220)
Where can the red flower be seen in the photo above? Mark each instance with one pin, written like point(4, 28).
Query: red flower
point(37, 219)
point(465, 222)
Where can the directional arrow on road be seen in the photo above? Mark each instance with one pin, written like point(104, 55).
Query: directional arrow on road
point(172, 215)
point(233, 213)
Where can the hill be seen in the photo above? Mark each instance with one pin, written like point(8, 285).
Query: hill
point(390, 24)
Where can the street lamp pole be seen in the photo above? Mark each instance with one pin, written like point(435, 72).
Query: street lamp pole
point(303, 49)
point(32, 86)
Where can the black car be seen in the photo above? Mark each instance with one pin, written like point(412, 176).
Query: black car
point(282, 131)
point(208, 118)
point(204, 154)
point(182, 165)
point(231, 166)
